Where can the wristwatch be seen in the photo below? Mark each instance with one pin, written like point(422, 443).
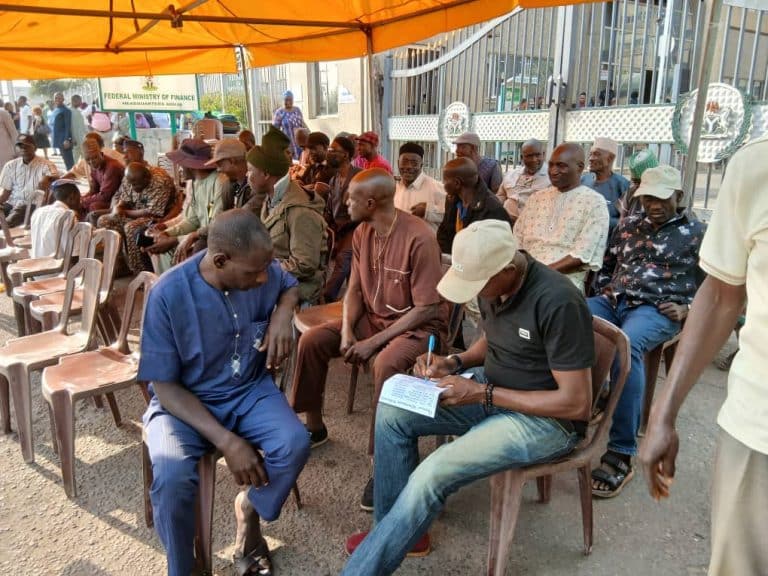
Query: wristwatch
point(459, 364)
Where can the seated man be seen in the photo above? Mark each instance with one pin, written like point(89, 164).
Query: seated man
point(468, 200)
point(368, 153)
point(205, 202)
point(391, 306)
point(468, 146)
point(106, 177)
point(49, 221)
point(213, 328)
point(603, 179)
point(21, 177)
point(292, 215)
point(639, 162)
point(528, 404)
point(518, 184)
point(417, 193)
point(317, 170)
point(654, 273)
point(247, 138)
point(81, 170)
point(566, 225)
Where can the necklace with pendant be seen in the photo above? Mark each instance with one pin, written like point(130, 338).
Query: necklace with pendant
point(234, 360)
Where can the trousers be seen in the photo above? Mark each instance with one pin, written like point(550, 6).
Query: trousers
point(175, 449)
point(128, 229)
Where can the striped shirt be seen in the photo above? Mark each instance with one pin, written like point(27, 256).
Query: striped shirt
point(23, 179)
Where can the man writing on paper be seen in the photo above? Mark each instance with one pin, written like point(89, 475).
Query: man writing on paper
point(528, 403)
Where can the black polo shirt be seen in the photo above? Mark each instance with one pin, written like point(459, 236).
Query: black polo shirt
point(546, 326)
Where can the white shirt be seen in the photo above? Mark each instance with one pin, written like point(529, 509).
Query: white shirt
point(735, 251)
point(44, 225)
point(518, 185)
point(25, 122)
point(557, 224)
point(424, 189)
point(23, 179)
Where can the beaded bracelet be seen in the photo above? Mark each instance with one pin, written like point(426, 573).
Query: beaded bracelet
point(488, 396)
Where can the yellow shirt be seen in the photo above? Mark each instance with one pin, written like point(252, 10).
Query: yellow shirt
point(735, 251)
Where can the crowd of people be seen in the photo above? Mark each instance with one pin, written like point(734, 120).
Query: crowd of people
point(264, 230)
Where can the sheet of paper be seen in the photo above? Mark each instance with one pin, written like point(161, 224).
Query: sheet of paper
point(411, 393)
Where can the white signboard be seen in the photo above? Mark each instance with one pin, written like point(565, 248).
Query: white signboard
point(150, 93)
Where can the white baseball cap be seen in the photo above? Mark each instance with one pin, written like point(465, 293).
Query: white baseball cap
point(480, 251)
point(660, 182)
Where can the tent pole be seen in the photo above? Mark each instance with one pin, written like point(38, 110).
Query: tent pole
point(373, 94)
point(246, 88)
point(706, 58)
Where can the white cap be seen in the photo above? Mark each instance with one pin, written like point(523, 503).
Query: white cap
point(468, 138)
point(606, 144)
point(480, 251)
point(660, 182)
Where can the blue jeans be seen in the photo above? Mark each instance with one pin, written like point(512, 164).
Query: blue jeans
point(408, 495)
point(646, 328)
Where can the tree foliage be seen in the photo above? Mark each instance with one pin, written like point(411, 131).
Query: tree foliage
point(235, 104)
point(47, 88)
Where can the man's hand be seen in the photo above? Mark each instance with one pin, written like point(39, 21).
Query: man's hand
point(461, 391)
point(277, 343)
point(186, 246)
point(347, 341)
point(676, 312)
point(658, 452)
point(120, 209)
point(360, 352)
point(67, 144)
point(609, 295)
point(439, 368)
point(244, 462)
point(162, 244)
point(419, 209)
point(156, 229)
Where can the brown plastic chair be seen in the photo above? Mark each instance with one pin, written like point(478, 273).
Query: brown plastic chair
point(21, 356)
point(46, 309)
point(652, 362)
point(9, 253)
point(507, 486)
point(89, 374)
point(23, 293)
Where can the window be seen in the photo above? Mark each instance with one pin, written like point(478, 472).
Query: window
point(325, 88)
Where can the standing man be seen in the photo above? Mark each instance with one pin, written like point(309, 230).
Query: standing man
point(518, 185)
point(214, 326)
point(468, 146)
point(106, 177)
point(527, 403)
point(566, 225)
point(8, 136)
point(25, 116)
point(20, 179)
point(79, 127)
point(368, 154)
point(734, 255)
point(651, 276)
point(61, 124)
point(603, 179)
point(417, 193)
point(340, 154)
point(467, 200)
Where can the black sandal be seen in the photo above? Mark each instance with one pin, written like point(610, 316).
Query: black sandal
point(257, 561)
point(623, 473)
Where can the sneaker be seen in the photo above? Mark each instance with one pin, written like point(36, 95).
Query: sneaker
point(318, 437)
point(422, 548)
point(366, 502)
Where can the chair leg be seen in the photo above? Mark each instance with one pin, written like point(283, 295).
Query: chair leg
point(544, 485)
point(52, 421)
point(64, 422)
point(146, 471)
point(297, 495)
point(18, 313)
point(352, 388)
point(506, 493)
point(98, 401)
point(652, 361)
point(49, 320)
point(205, 499)
point(22, 402)
point(145, 391)
point(585, 491)
point(5, 404)
point(115, 410)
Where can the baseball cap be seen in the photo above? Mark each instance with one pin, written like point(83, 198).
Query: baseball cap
point(660, 182)
point(469, 138)
point(227, 148)
point(480, 251)
point(370, 137)
point(606, 144)
point(128, 143)
point(25, 140)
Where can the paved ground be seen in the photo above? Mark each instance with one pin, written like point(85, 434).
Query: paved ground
point(102, 532)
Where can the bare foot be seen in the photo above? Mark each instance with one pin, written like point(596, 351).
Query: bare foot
point(251, 552)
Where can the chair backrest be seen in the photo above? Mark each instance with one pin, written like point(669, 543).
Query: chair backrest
point(75, 240)
point(90, 271)
point(109, 240)
point(37, 199)
point(142, 282)
point(610, 343)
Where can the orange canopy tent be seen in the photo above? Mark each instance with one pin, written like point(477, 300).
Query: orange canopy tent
point(97, 38)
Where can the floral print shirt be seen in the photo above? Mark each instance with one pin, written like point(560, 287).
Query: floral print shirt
point(654, 265)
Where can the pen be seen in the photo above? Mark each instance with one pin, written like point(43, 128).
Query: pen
point(430, 349)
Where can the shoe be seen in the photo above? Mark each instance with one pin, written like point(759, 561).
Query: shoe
point(422, 548)
point(366, 502)
point(317, 437)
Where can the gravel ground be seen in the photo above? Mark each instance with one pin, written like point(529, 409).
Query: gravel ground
point(102, 532)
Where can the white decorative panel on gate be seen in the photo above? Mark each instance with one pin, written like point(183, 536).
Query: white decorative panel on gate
point(759, 121)
point(418, 128)
point(626, 124)
point(512, 127)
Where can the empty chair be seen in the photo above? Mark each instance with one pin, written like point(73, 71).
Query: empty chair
point(21, 356)
point(9, 253)
point(88, 374)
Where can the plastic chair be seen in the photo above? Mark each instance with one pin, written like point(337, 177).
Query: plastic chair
point(652, 362)
point(9, 253)
point(21, 356)
point(47, 308)
point(507, 486)
point(89, 374)
point(21, 271)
